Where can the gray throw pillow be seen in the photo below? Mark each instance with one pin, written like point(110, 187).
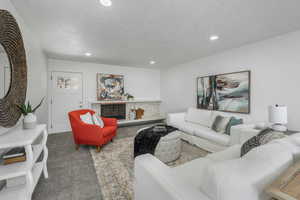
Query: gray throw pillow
point(220, 124)
point(233, 122)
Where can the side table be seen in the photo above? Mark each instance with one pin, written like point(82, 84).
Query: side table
point(287, 186)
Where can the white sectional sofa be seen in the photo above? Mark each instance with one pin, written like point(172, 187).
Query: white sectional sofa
point(195, 125)
point(218, 176)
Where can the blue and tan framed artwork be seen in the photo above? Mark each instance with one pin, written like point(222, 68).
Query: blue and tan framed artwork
point(228, 92)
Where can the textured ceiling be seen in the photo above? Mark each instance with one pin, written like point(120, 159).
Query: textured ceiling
point(133, 32)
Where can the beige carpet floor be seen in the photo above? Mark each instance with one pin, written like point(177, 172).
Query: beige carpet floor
point(114, 167)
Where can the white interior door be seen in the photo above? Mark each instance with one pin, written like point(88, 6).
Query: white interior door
point(66, 95)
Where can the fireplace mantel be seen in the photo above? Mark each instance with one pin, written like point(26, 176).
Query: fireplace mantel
point(126, 101)
point(151, 107)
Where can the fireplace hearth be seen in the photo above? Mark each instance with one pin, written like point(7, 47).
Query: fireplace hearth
point(117, 111)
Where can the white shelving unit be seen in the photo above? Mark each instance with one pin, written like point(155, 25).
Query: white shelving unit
point(31, 168)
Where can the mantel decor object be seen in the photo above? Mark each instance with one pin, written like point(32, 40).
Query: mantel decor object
point(129, 97)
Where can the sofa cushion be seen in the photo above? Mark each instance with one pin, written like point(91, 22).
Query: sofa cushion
point(233, 122)
point(207, 133)
point(187, 127)
point(191, 172)
point(245, 118)
point(291, 142)
point(251, 174)
point(202, 117)
point(220, 124)
point(264, 137)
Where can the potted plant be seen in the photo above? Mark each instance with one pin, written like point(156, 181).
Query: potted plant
point(30, 119)
point(129, 96)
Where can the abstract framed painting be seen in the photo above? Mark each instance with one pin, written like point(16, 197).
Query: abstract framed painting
point(228, 92)
point(110, 87)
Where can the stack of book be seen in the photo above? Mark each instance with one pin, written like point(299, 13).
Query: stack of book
point(14, 155)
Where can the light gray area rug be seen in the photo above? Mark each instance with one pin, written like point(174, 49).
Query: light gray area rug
point(114, 167)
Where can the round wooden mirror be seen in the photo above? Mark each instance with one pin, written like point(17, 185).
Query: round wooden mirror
point(14, 93)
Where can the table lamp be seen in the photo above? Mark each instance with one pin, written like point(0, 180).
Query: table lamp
point(278, 117)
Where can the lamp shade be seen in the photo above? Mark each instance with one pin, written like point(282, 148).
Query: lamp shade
point(278, 114)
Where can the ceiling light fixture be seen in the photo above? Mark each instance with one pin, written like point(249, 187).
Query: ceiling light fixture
point(213, 37)
point(106, 3)
point(152, 62)
point(88, 54)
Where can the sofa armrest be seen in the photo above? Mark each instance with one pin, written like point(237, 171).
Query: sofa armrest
point(155, 180)
point(230, 153)
point(241, 133)
point(174, 118)
point(247, 177)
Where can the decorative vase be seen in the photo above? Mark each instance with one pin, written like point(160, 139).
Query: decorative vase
point(29, 121)
point(132, 114)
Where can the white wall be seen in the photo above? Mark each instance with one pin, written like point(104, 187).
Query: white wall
point(36, 62)
point(141, 83)
point(275, 72)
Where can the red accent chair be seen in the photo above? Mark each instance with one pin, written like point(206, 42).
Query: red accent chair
point(88, 134)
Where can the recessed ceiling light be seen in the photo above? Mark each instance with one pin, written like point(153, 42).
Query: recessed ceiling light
point(152, 62)
point(87, 54)
point(213, 37)
point(106, 3)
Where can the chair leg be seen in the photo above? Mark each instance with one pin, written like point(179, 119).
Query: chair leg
point(77, 146)
point(98, 148)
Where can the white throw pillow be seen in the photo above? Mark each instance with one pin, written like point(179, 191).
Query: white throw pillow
point(87, 118)
point(199, 116)
point(98, 121)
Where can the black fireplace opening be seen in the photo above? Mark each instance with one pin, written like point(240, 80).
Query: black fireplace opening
point(117, 111)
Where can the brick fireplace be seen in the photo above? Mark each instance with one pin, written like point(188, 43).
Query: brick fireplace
point(121, 110)
point(117, 111)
